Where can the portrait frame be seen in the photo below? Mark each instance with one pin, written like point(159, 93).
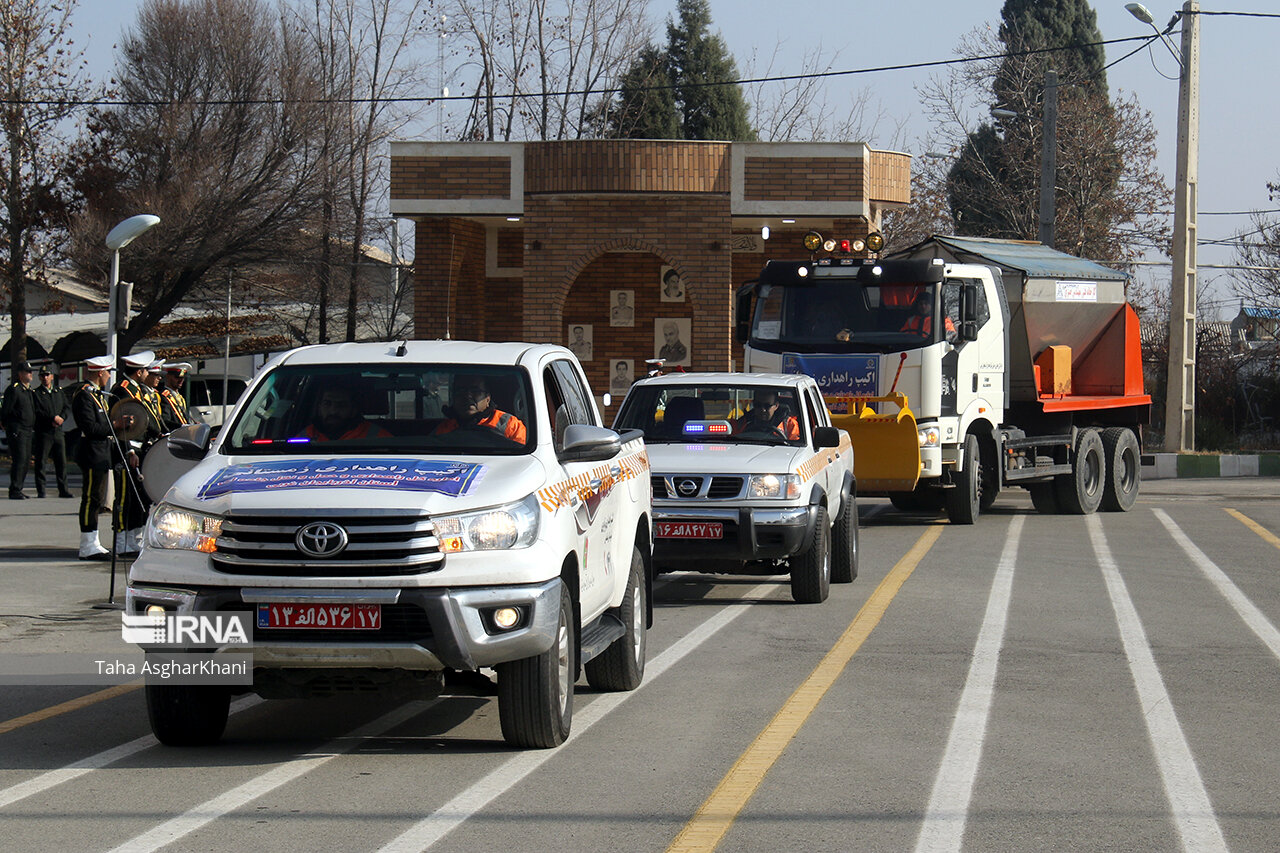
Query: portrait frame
point(624, 319)
point(674, 290)
point(683, 327)
point(584, 349)
point(620, 383)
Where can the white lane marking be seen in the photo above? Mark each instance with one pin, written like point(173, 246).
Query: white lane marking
point(454, 813)
point(1244, 608)
point(76, 769)
point(212, 809)
point(948, 809)
point(1193, 814)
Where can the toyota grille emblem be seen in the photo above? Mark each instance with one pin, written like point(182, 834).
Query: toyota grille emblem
point(321, 539)
point(687, 487)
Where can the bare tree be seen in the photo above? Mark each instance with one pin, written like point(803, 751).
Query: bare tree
point(217, 136)
point(1258, 252)
point(538, 68)
point(1110, 197)
point(40, 76)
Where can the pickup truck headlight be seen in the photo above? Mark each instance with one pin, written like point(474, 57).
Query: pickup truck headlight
point(512, 526)
point(174, 529)
point(929, 436)
point(774, 486)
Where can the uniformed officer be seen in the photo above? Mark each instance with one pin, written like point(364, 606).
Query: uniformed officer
point(97, 452)
point(132, 502)
point(53, 407)
point(173, 406)
point(18, 415)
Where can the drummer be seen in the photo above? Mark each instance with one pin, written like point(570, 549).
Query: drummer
point(132, 503)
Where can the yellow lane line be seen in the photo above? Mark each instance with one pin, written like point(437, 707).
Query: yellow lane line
point(1255, 527)
point(704, 832)
point(64, 707)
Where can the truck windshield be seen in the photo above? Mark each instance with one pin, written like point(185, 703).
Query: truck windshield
point(844, 315)
point(750, 414)
point(386, 409)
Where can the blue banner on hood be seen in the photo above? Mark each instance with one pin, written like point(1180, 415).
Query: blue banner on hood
point(415, 475)
point(837, 375)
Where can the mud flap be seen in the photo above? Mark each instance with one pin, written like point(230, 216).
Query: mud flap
point(886, 447)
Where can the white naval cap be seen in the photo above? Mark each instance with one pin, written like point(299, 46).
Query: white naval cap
point(99, 362)
point(139, 360)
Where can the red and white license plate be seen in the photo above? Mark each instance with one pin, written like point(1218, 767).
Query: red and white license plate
point(689, 530)
point(329, 617)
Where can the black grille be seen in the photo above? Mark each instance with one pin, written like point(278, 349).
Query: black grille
point(659, 487)
point(724, 487)
point(379, 543)
point(400, 623)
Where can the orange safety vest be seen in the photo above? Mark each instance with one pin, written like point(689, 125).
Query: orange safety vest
point(509, 425)
point(923, 326)
point(364, 429)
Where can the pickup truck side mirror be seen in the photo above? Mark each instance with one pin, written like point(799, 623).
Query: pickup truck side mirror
point(586, 443)
point(826, 437)
point(190, 442)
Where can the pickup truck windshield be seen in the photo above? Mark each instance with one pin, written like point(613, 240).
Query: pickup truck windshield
point(844, 315)
point(754, 414)
point(386, 409)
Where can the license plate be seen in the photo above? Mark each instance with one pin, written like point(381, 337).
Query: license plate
point(329, 617)
point(689, 530)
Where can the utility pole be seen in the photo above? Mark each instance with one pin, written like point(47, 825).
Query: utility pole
point(1180, 396)
point(1049, 158)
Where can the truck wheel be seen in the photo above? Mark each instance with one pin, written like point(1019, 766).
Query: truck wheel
point(621, 666)
point(1124, 469)
point(535, 694)
point(187, 714)
point(964, 501)
point(811, 570)
point(844, 562)
point(1080, 492)
point(1044, 497)
point(990, 475)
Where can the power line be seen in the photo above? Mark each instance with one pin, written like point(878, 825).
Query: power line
point(938, 63)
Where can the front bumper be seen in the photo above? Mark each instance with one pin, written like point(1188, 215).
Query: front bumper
point(749, 533)
point(430, 629)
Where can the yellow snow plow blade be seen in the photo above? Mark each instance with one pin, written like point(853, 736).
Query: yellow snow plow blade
point(886, 447)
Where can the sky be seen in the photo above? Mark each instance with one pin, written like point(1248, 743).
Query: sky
point(1239, 64)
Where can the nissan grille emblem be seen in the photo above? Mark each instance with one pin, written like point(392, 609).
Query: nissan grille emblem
point(321, 539)
point(687, 487)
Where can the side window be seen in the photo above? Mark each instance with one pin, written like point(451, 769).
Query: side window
point(812, 413)
point(951, 301)
point(818, 409)
point(556, 408)
point(573, 393)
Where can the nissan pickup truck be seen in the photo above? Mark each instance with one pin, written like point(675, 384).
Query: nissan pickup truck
point(749, 477)
point(391, 514)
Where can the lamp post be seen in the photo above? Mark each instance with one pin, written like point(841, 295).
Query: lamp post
point(1048, 155)
point(1180, 393)
point(119, 237)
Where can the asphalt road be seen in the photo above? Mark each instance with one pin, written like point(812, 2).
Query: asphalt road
point(1109, 682)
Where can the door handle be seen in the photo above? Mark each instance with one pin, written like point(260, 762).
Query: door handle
point(615, 471)
point(595, 484)
point(975, 383)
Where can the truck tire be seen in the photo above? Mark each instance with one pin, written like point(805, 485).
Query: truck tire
point(1124, 469)
point(844, 541)
point(621, 666)
point(1080, 492)
point(811, 569)
point(965, 500)
point(990, 475)
point(535, 694)
point(188, 714)
point(1044, 497)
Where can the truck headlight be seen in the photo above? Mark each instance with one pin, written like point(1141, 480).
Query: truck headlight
point(174, 529)
point(929, 436)
point(512, 526)
point(774, 486)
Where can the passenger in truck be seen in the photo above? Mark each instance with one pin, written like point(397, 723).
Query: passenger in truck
point(337, 418)
point(471, 407)
point(768, 415)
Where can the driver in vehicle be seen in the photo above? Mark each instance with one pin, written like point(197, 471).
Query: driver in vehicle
point(336, 418)
point(768, 415)
point(921, 320)
point(472, 408)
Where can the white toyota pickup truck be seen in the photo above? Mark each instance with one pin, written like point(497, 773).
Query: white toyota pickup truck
point(749, 477)
point(393, 513)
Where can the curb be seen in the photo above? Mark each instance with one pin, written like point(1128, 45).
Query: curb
point(1166, 466)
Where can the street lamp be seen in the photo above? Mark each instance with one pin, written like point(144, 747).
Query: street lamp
point(119, 237)
point(1180, 395)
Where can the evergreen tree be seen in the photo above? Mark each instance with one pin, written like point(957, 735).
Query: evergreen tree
point(697, 58)
point(646, 106)
point(994, 184)
point(693, 62)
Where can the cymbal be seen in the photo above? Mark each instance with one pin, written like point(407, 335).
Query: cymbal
point(140, 418)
